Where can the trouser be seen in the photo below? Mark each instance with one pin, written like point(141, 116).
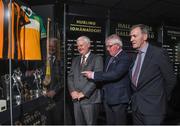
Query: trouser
point(57, 113)
point(116, 114)
point(86, 114)
point(140, 119)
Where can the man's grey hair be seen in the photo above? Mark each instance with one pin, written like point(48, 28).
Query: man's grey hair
point(53, 39)
point(115, 39)
point(144, 28)
point(85, 38)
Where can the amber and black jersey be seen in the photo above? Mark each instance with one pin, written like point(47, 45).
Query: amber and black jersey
point(18, 19)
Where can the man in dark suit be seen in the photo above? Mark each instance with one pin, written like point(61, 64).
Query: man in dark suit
point(116, 82)
point(55, 89)
point(85, 95)
point(152, 79)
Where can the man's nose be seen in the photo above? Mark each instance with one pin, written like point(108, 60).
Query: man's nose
point(108, 49)
point(131, 39)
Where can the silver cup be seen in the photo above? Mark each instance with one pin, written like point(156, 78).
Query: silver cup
point(18, 99)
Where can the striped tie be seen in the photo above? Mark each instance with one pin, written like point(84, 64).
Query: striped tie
point(83, 61)
point(137, 69)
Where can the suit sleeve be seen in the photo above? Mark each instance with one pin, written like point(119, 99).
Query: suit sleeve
point(56, 83)
point(119, 71)
point(71, 78)
point(91, 86)
point(167, 72)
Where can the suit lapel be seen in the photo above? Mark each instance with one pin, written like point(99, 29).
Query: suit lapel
point(87, 63)
point(106, 63)
point(131, 66)
point(114, 61)
point(145, 64)
point(90, 57)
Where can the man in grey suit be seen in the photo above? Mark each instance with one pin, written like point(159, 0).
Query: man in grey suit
point(85, 95)
point(152, 79)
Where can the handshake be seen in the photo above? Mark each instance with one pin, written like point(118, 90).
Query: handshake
point(88, 74)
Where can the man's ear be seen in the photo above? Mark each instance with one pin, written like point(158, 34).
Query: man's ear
point(145, 37)
point(89, 45)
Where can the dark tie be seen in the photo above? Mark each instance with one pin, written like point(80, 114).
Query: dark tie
point(137, 69)
point(52, 58)
point(109, 63)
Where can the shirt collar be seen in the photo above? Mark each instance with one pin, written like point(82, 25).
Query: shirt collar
point(118, 52)
point(87, 54)
point(144, 49)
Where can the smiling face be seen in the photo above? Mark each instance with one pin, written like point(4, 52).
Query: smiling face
point(83, 46)
point(113, 44)
point(138, 38)
point(52, 47)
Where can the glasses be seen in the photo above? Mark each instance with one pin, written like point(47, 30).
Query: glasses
point(109, 46)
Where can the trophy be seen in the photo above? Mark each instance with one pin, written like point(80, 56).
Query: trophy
point(37, 80)
point(18, 84)
point(6, 80)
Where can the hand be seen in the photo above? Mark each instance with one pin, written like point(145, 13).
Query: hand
point(81, 95)
point(29, 73)
point(74, 94)
point(50, 94)
point(88, 74)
